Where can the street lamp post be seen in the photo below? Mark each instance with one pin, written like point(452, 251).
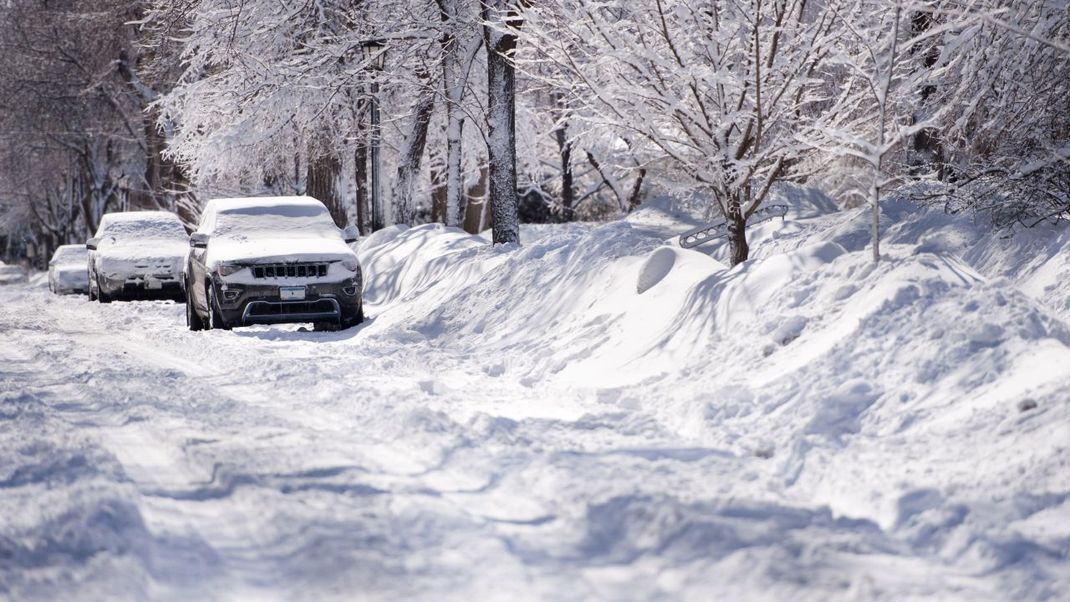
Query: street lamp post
point(374, 53)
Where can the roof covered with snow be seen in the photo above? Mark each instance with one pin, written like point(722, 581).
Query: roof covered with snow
point(144, 224)
point(70, 252)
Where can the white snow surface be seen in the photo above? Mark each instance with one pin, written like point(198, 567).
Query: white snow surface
point(594, 415)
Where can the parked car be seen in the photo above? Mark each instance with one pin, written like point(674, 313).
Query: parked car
point(272, 260)
point(137, 255)
point(11, 274)
point(68, 270)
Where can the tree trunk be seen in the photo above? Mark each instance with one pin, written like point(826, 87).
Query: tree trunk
point(928, 146)
point(412, 152)
point(459, 53)
point(454, 183)
point(637, 189)
point(321, 183)
point(360, 161)
point(476, 203)
point(439, 200)
point(564, 148)
point(737, 230)
point(501, 20)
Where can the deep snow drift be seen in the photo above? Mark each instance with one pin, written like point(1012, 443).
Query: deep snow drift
point(593, 415)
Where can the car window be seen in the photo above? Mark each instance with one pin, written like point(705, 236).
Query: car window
point(70, 253)
point(207, 218)
point(300, 220)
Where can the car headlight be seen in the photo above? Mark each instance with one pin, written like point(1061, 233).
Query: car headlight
point(226, 269)
point(351, 264)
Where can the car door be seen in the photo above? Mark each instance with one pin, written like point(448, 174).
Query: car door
point(92, 255)
point(198, 273)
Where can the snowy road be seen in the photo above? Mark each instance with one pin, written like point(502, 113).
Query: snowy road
point(248, 463)
point(142, 461)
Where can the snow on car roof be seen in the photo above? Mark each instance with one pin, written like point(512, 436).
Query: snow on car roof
point(70, 251)
point(293, 206)
point(139, 216)
point(146, 224)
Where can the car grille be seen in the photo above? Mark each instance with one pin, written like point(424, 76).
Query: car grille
point(257, 309)
point(290, 270)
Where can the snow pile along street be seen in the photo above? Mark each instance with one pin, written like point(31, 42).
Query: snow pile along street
point(593, 415)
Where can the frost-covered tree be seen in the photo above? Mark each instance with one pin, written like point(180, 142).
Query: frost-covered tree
point(1005, 87)
point(712, 91)
point(74, 140)
point(461, 41)
point(265, 87)
point(872, 83)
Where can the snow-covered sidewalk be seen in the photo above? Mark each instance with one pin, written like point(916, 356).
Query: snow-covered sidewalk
point(517, 424)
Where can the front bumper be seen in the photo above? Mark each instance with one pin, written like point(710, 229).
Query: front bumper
point(143, 286)
point(247, 304)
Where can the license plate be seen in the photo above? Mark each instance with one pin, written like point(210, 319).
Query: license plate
point(153, 284)
point(291, 293)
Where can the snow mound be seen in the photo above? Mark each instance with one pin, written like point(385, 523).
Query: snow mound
point(840, 373)
point(664, 260)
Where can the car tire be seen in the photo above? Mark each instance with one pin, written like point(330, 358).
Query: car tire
point(215, 316)
point(101, 295)
point(194, 321)
point(356, 320)
point(92, 291)
point(326, 326)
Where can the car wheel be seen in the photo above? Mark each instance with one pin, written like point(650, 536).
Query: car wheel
point(101, 295)
point(215, 317)
point(92, 290)
point(355, 320)
point(193, 319)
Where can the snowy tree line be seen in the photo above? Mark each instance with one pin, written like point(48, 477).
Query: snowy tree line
point(483, 113)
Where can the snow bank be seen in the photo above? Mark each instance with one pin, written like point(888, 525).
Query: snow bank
point(871, 390)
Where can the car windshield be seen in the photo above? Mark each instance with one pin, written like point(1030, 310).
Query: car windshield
point(155, 228)
point(70, 253)
point(277, 221)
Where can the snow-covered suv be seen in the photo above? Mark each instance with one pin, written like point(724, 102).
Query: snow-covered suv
point(271, 260)
point(137, 254)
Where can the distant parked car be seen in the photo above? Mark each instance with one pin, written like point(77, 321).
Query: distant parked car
point(68, 271)
point(272, 260)
point(137, 255)
point(10, 274)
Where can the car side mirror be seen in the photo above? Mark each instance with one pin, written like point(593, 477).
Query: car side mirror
point(198, 240)
point(91, 244)
point(350, 234)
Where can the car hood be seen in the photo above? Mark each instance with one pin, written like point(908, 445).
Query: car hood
point(259, 250)
point(145, 251)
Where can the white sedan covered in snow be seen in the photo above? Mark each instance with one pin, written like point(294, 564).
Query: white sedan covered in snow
point(271, 260)
point(137, 254)
point(68, 270)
